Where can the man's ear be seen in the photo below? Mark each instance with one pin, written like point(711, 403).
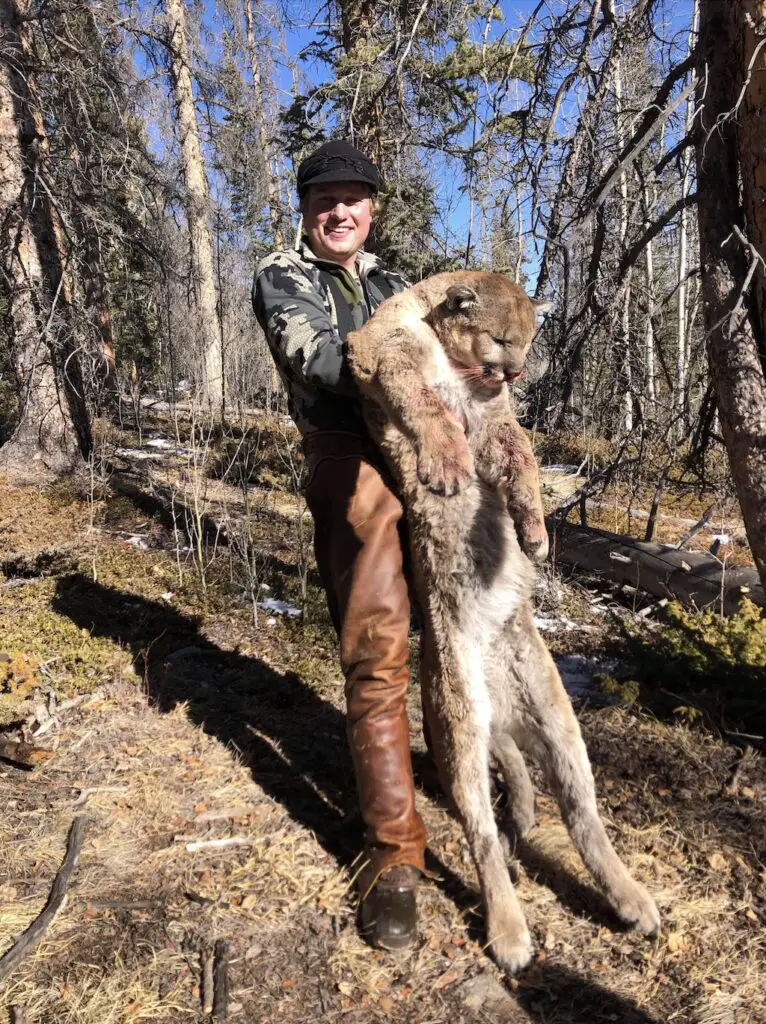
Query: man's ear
point(542, 306)
point(460, 296)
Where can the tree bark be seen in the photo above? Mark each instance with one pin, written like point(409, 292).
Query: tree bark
point(196, 206)
point(752, 151)
point(53, 432)
point(731, 143)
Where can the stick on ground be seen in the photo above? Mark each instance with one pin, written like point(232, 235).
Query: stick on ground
point(29, 938)
point(221, 980)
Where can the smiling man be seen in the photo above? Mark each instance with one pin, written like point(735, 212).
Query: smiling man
point(307, 300)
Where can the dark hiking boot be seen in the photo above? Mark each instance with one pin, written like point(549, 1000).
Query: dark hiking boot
point(388, 915)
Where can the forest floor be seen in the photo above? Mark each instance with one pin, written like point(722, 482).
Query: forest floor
point(178, 712)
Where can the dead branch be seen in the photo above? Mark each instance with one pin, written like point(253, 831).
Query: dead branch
point(29, 938)
point(694, 530)
point(601, 478)
point(654, 229)
point(655, 115)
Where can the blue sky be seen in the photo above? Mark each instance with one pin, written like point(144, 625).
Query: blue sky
point(677, 15)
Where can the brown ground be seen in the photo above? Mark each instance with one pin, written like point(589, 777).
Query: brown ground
point(196, 723)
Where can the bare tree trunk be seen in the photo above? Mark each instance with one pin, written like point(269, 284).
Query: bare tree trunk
point(627, 398)
point(53, 433)
point(97, 302)
point(196, 205)
point(651, 392)
point(268, 169)
point(682, 358)
point(732, 266)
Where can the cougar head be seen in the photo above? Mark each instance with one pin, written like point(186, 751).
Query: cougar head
point(486, 324)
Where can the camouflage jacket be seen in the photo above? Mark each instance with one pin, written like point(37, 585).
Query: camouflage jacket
point(295, 298)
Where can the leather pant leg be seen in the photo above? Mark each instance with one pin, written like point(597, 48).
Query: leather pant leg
point(358, 549)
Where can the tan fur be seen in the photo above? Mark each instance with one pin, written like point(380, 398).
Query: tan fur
point(440, 411)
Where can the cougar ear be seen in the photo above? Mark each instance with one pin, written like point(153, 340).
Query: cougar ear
point(460, 296)
point(542, 306)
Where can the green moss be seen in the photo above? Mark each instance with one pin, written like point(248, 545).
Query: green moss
point(73, 660)
point(626, 690)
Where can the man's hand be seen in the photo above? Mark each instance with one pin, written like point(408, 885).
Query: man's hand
point(445, 464)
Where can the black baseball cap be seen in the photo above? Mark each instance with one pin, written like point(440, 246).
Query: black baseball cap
point(337, 161)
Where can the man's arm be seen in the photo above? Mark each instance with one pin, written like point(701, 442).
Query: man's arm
point(298, 327)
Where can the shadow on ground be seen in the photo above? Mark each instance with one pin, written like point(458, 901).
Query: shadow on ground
point(294, 744)
point(557, 995)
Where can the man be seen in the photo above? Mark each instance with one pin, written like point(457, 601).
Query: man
point(307, 300)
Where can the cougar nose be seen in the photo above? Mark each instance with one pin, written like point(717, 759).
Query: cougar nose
point(511, 375)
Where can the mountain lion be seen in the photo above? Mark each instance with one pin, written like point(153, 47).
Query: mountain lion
point(433, 363)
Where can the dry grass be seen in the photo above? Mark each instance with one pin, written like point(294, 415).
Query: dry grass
point(198, 727)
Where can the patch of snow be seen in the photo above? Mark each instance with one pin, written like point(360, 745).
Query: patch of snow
point(271, 622)
point(271, 604)
point(577, 673)
point(138, 542)
point(722, 538)
point(137, 453)
point(559, 469)
point(545, 625)
point(167, 596)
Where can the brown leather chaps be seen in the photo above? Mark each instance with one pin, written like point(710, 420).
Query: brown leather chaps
point(358, 544)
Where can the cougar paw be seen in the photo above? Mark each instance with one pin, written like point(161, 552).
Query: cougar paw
point(637, 910)
point(511, 953)
point(446, 471)
point(519, 821)
point(536, 549)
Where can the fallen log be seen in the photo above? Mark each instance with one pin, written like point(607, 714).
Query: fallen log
point(696, 579)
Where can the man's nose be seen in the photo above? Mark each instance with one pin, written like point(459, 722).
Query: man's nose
point(339, 211)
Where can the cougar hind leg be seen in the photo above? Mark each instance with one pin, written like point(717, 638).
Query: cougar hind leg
point(520, 812)
point(554, 739)
point(461, 744)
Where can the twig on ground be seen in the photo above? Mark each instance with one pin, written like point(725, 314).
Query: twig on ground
point(18, 1015)
point(214, 844)
point(30, 937)
point(221, 980)
point(90, 790)
point(123, 905)
point(23, 754)
point(225, 813)
point(731, 786)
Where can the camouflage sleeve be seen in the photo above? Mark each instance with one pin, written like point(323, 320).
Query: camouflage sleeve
point(298, 327)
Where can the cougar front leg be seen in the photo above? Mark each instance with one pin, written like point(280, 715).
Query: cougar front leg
point(399, 386)
point(462, 751)
point(506, 458)
point(557, 743)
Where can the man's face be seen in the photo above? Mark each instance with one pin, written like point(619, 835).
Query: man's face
point(337, 218)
